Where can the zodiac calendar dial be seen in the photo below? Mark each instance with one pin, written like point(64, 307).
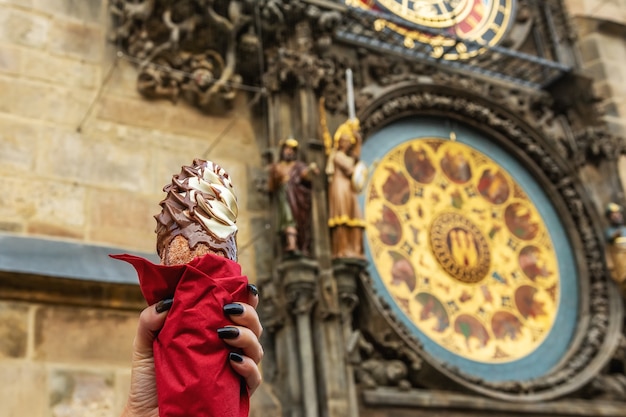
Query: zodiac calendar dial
point(462, 250)
point(462, 28)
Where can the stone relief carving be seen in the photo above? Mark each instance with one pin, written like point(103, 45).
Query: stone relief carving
point(595, 144)
point(611, 383)
point(190, 49)
point(384, 361)
point(204, 51)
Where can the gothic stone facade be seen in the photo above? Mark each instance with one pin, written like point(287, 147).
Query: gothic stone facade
point(103, 101)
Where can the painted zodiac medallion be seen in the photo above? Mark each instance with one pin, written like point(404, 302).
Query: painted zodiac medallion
point(462, 250)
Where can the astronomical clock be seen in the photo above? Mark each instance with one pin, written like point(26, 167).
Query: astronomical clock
point(483, 268)
point(454, 29)
point(467, 250)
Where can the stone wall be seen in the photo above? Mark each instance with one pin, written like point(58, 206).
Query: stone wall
point(64, 361)
point(83, 158)
point(601, 30)
point(82, 155)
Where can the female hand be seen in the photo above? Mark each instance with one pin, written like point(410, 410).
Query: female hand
point(142, 399)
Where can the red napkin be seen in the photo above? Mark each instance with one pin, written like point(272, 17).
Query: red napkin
point(193, 374)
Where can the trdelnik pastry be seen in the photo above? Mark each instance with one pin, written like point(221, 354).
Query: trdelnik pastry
point(198, 215)
point(197, 243)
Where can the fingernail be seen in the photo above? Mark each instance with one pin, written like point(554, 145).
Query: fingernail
point(235, 357)
point(163, 305)
point(253, 289)
point(234, 309)
point(228, 332)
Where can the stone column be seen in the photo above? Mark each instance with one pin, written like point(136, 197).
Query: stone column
point(347, 272)
point(299, 278)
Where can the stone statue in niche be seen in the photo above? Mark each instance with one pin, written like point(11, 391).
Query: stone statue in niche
point(615, 235)
point(290, 182)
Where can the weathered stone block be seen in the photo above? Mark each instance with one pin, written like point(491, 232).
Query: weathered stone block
point(47, 202)
point(11, 227)
point(19, 142)
point(23, 388)
point(123, 81)
point(64, 155)
point(187, 120)
point(24, 28)
point(97, 336)
point(44, 102)
point(96, 161)
point(134, 112)
point(61, 203)
point(67, 106)
point(589, 48)
point(80, 393)
point(124, 219)
point(77, 39)
point(58, 70)
point(10, 59)
point(54, 230)
point(13, 330)
point(87, 10)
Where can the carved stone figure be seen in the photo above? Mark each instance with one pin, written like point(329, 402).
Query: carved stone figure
point(344, 217)
point(615, 235)
point(290, 181)
point(374, 373)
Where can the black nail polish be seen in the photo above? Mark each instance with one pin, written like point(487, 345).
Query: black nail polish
point(235, 357)
point(253, 289)
point(228, 332)
point(163, 305)
point(233, 309)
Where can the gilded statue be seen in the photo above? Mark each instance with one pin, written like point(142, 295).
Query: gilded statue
point(346, 178)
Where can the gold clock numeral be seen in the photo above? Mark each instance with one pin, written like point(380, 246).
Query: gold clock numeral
point(437, 52)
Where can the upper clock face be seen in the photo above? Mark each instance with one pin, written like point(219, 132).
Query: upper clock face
point(466, 248)
point(476, 23)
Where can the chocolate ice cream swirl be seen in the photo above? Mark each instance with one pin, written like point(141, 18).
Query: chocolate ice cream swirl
point(201, 207)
